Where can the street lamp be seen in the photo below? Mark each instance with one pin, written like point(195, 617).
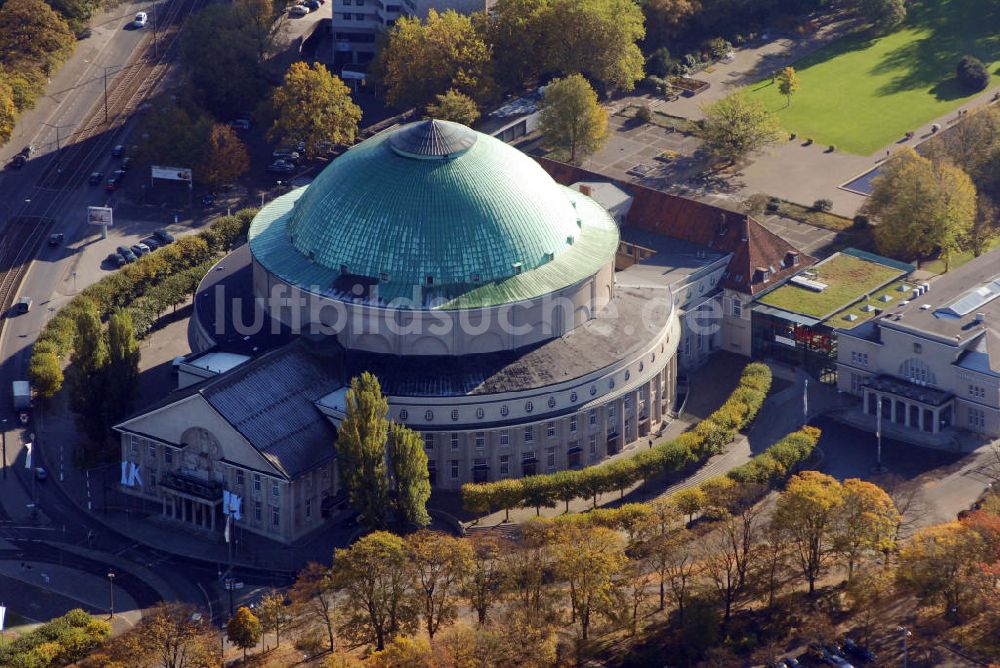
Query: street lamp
point(111, 593)
point(3, 444)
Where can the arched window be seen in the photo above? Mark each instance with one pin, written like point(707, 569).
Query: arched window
point(504, 411)
point(429, 415)
point(573, 397)
point(916, 371)
point(552, 402)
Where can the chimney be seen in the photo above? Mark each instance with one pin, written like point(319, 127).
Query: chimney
point(585, 190)
point(980, 318)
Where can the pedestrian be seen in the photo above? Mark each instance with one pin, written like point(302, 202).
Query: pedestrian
point(650, 443)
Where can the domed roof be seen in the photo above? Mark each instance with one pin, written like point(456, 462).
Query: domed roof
point(433, 203)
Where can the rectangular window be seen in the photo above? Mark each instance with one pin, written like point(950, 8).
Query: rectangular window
point(361, 17)
point(134, 446)
point(257, 510)
point(346, 16)
point(977, 391)
point(152, 451)
point(239, 477)
point(628, 401)
point(309, 508)
point(977, 418)
point(856, 382)
point(454, 440)
point(529, 434)
point(168, 455)
point(274, 489)
point(550, 429)
point(480, 439)
point(593, 417)
point(859, 358)
point(737, 308)
point(428, 441)
point(275, 516)
point(454, 469)
point(550, 457)
point(504, 465)
point(527, 455)
point(505, 438)
point(256, 482)
point(612, 413)
point(918, 348)
point(572, 424)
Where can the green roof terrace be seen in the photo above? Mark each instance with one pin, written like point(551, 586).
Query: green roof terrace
point(847, 280)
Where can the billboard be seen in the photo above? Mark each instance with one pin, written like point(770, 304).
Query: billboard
point(99, 215)
point(172, 173)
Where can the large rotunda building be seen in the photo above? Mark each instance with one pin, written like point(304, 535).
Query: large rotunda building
point(479, 291)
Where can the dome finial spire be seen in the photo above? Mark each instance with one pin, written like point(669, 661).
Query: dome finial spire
point(432, 139)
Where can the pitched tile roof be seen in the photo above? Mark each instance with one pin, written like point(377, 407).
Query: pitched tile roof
point(760, 258)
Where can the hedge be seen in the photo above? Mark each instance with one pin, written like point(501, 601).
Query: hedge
point(778, 461)
point(147, 287)
point(708, 437)
point(60, 642)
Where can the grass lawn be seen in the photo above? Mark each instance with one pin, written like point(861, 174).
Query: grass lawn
point(861, 94)
point(858, 309)
point(847, 278)
point(957, 260)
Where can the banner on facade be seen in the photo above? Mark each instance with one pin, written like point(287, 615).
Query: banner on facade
point(131, 475)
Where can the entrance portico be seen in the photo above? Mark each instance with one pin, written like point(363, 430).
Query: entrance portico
point(191, 501)
point(908, 404)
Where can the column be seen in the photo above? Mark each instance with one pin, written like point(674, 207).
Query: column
point(211, 516)
point(937, 420)
point(920, 418)
point(163, 500)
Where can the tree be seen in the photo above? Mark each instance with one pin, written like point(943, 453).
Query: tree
point(262, 24)
point(483, 578)
point(33, 36)
point(175, 132)
point(452, 56)
point(883, 14)
point(922, 206)
point(805, 515)
point(403, 652)
point(788, 83)
point(866, 522)
point(736, 126)
point(439, 563)
point(274, 614)
point(690, 501)
point(86, 375)
point(8, 112)
point(314, 107)
point(984, 229)
point(937, 563)
point(227, 158)
point(665, 19)
point(732, 547)
point(45, 373)
point(311, 596)
point(361, 450)
point(171, 633)
point(123, 366)
point(972, 74)
point(374, 578)
point(538, 493)
point(409, 481)
point(571, 119)
point(589, 560)
point(244, 630)
point(454, 106)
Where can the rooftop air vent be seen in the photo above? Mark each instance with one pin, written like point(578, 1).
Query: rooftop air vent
point(807, 283)
point(850, 317)
point(885, 298)
point(902, 288)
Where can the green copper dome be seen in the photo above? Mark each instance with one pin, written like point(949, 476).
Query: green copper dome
point(433, 203)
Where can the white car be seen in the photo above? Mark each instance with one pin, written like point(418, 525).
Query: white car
point(298, 10)
point(140, 20)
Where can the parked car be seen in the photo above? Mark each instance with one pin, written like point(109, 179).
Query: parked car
point(208, 200)
point(17, 162)
point(140, 249)
point(126, 163)
point(115, 260)
point(56, 239)
point(164, 236)
point(859, 651)
point(95, 178)
point(41, 475)
point(27, 150)
point(117, 151)
point(240, 124)
point(140, 20)
point(281, 167)
point(313, 5)
point(286, 153)
point(152, 242)
point(126, 253)
point(23, 305)
point(792, 662)
point(298, 10)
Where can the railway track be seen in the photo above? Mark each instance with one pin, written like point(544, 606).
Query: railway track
point(25, 234)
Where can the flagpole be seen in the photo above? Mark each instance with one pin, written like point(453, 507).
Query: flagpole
point(805, 403)
point(878, 434)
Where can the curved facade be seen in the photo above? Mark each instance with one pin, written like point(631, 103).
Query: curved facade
point(480, 292)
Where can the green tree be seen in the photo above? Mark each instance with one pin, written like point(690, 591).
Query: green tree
point(439, 564)
point(866, 523)
point(8, 112)
point(736, 126)
point(274, 614)
point(589, 559)
point(884, 15)
point(312, 595)
point(45, 372)
point(571, 119)
point(226, 157)
point(314, 107)
point(483, 578)
point(220, 55)
point(516, 30)
point(374, 577)
point(361, 450)
point(689, 501)
point(454, 106)
point(665, 19)
point(806, 516)
point(244, 630)
point(33, 36)
point(175, 133)
point(452, 54)
point(262, 24)
point(922, 207)
point(409, 481)
point(123, 365)
point(86, 375)
point(788, 83)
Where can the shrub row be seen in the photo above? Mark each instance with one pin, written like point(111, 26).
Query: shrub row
point(708, 437)
point(147, 287)
point(62, 641)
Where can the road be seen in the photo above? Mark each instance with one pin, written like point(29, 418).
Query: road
point(38, 522)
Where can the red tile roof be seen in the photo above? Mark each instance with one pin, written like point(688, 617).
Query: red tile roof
point(760, 259)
